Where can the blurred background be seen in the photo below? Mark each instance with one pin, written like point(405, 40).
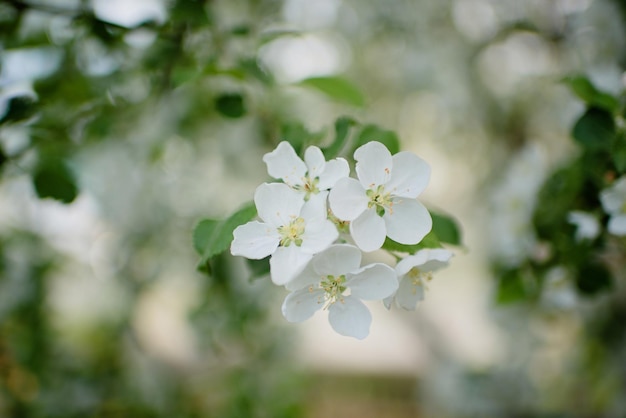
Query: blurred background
point(123, 124)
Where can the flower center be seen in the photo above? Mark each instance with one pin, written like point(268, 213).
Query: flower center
point(380, 200)
point(342, 226)
point(334, 286)
point(419, 278)
point(292, 232)
point(309, 187)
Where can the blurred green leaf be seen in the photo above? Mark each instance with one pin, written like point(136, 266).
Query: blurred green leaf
point(375, 133)
point(595, 130)
point(211, 237)
point(446, 228)
point(619, 154)
point(592, 278)
point(272, 35)
point(19, 108)
point(429, 241)
point(53, 179)
point(253, 68)
point(342, 128)
point(190, 12)
point(584, 89)
point(556, 198)
point(336, 88)
point(258, 268)
point(231, 105)
point(511, 287)
point(299, 136)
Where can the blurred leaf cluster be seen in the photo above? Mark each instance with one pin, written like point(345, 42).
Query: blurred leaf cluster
point(101, 80)
point(582, 275)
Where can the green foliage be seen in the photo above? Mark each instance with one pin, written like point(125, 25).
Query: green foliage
point(446, 228)
point(342, 129)
point(595, 130)
point(53, 179)
point(619, 154)
point(336, 88)
point(511, 287)
point(429, 241)
point(231, 105)
point(258, 268)
point(445, 231)
point(376, 133)
point(211, 237)
point(18, 109)
point(590, 94)
point(593, 277)
point(299, 136)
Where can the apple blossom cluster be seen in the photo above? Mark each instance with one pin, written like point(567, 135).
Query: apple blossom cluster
point(318, 221)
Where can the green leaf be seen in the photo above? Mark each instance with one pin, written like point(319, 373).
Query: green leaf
point(272, 35)
point(258, 268)
point(375, 133)
point(211, 237)
point(511, 287)
point(446, 228)
point(584, 89)
point(595, 130)
point(619, 154)
point(336, 88)
point(298, 135)
point(429, 241)
point(592, 278)
point(18, 109)
point(254, 68)
point(53, 179)
point(190, 12)
point(231, 105)
point(342, 128)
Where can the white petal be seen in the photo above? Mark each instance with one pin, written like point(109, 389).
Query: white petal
point(350, 317)
point(373, 282)
point(409, 177)
point(408, 221)
point(277, 204)
point(368, 231)
point(617, 225)
point(315, 207)
point(337, 260)
point(283, 163)
point(388, 301)
point(307, 278)
point(347, 199)
point(302, 304)
point(286, 263)
point(409, 294)
point(315, 161)
point(587, 225)
point(254, 240)
point(620, 185)
point(425, 260)
point(318, 236)
point(334, 170)
point(612, 201)
point(373, 165)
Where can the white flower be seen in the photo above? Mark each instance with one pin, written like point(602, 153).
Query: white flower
point(291, 232)
point(310, 176)
point(413, 273)
point(383, 201)
point(614, 203)
point(587, 226)
point(325, 282)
